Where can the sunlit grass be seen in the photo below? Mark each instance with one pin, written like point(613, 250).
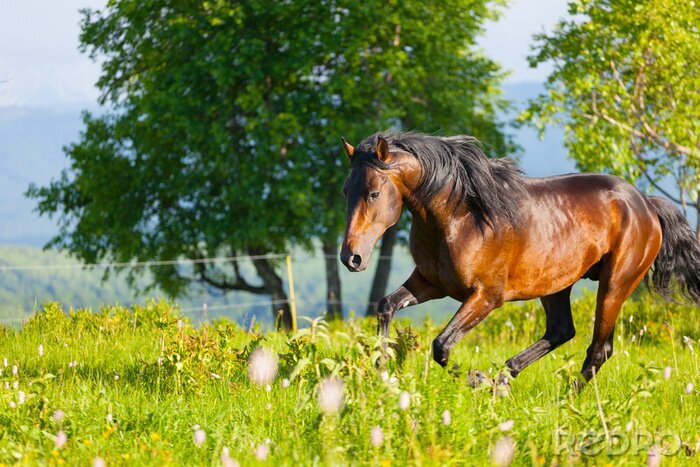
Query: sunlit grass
point(143, 386)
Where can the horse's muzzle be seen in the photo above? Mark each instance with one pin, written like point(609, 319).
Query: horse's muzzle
point(352, 261)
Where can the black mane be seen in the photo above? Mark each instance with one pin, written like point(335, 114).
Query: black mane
point(490, 187)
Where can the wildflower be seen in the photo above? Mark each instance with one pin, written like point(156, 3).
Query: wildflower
point(160, 360)
point(41, 350)
point(262, 366)
point(15, 370)
point(689, 342)
point(15, 384)
point(98, 462)
point(285, 383)
point(376, 436)
point(116, 377)
point(199, 436)
point(226, 460)
point(507, 425)
point(72, 364)
point(12, 404)
point(110, 419)
point(268, 406)
point(262, 451)
point(689, 388)
point(20, 397)
point(7, 385)
point(268, 388)
point(384, 375)
point(330, 395)
point(629, 426)
point(631, 318)
point(476, 349)
point(404, 401)
point(155, 436)
point(654, 457)
point(4, 362)
point(446, 418)
point(61, 439)
point(503, 452)
point(667, 373)
point(215, 376)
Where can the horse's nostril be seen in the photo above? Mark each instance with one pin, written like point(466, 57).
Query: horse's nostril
point(356, 261)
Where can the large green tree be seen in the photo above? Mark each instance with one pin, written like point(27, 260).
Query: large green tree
point(224, 119)
point(626, 86)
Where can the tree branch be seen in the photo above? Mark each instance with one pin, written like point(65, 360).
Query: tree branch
point(239, 283)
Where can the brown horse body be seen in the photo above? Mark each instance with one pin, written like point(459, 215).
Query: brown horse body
point(543, 235)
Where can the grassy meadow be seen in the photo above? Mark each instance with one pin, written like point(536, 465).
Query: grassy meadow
point(138, 386)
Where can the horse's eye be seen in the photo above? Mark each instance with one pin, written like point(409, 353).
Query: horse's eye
point(373, 195)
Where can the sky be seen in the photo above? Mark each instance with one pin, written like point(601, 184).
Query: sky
point(41, 66)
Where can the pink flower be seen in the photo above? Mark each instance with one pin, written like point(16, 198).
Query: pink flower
point(262, 366)
point(404, 401)
point(58, 415)
point(331, 393)
point(61, 439)
point(376, 436)
point(199, 436)
point(667, 373)
point(507, 425)
point(503, 452)
point(98, 462)
point(446, 418)
point(262, 451)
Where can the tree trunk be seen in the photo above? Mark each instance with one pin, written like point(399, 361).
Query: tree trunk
point(281, 311)
point(697, 221)
point(381, 276)
point(334, 305)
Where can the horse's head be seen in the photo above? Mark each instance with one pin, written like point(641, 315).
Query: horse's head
point(373, 192)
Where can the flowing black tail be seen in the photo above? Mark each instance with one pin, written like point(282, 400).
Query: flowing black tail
point(679, 257)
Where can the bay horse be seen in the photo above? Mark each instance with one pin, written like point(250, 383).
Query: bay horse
point(484, 234)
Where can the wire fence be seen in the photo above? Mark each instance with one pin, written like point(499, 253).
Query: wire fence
point(41, 283)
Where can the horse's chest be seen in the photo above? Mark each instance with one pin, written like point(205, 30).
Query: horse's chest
point(435, 262)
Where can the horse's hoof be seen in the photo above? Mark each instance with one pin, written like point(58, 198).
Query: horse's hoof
point(476, 378)
point(577, 386)
point(502, 387)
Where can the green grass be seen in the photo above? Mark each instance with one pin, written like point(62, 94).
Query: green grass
point(143, 381)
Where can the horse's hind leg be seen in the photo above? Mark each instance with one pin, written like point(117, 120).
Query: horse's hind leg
point(560, 329)
point(618, 279)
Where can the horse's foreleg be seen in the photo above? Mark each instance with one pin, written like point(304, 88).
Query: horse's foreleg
point(560, 329)
point(471, 313)
point(415, 290)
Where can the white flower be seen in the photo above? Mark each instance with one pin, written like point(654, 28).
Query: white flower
point(404, 401)
point(384, 375)
point(446, 418)
point(503, 452)
point(61, 439)
point(667, 373)
point(629, 426)
point(12, 404)
point(110, 419)
point(15, 384)
point(507, 425)
point(476, 349)
point(58, 415)
point(20, 397)
point(116, 377)
point(4, 361)
point(268, 388)
point(41, 350)
point(262, 451)
point(285, 383)
point(199, 437)
point(262, 366)
point(226, 460)
point(72, 364)
point(15, 370)
point(689, 388)
point(654, 457)
point(98, 462)
point(376, 436)
point(268, 406)
point(331, 393)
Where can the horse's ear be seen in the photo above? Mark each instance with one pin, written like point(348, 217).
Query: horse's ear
point(349, 149)
point(382, 149)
